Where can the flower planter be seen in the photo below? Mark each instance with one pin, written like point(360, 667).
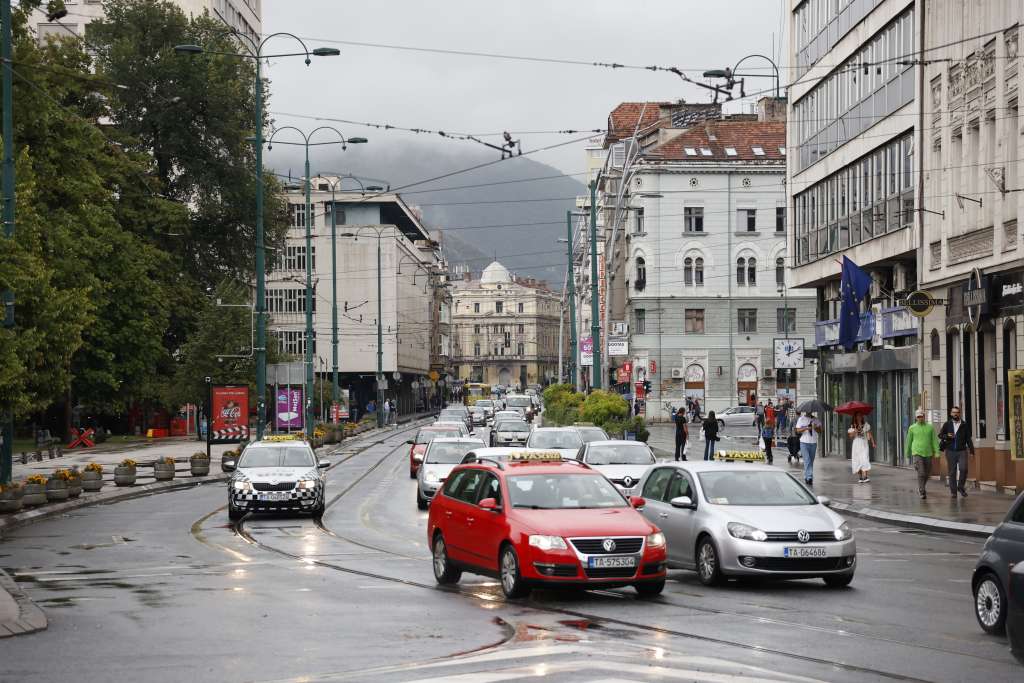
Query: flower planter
point(163, 471)
point(74, 487)
point(56, 489)
point(200, 466)
point(11, 500)
point(124, 475)
point(92, 481)
point(35, 494)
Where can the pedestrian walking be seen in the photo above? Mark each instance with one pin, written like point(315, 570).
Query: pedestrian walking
point(394, 412)
point(768, 439)
point(922, 446)
point(955, 440)
point(682, 434)
point(769, 412)
point(696, 410)
point(808, 426)
point(759, 416)
point(387, 411)
point(860, 460)
point(710, 429)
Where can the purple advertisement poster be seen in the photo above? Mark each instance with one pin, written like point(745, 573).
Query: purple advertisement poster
point(289, 409)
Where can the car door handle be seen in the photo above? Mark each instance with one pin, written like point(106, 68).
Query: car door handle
point(663, 514)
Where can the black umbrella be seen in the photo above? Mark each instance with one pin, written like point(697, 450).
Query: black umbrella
point(814, 406)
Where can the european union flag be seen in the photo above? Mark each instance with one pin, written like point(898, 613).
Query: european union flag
point(854, 286)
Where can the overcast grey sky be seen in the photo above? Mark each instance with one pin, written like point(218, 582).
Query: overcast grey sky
point(483, 95)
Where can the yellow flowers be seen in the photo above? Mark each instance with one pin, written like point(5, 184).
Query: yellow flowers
point(4, 488)
point(168, 460)
point(198, 455)
point(62, 475)
point(38, 479)
point(94, 467)
point(128, 462)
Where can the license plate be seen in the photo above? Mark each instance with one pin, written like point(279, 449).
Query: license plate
point(275, 496)
point(804, 552)
point(611, 562)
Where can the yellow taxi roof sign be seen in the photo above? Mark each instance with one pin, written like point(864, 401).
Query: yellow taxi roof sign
point(283, 437)
point(535, 456)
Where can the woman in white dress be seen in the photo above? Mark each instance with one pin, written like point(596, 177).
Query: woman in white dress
point(860, 432)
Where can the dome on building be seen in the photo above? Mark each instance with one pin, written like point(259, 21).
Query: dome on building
point(495, 274)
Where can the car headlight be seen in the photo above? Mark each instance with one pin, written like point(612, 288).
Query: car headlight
point(746, 532)
point(306, 484)
point(656, 540)
point(844, 532)
point(432, 479)
point(548, 542)
point(242, 486)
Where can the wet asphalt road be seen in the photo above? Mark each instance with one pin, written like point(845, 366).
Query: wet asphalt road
point(164, 589)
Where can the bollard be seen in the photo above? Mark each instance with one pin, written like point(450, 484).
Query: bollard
point(24, 458)
point(39, 456)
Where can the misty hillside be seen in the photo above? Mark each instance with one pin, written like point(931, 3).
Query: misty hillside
point(463, 214)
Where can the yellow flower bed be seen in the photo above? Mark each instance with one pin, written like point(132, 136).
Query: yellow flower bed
point(36, 479)
point(94, 467)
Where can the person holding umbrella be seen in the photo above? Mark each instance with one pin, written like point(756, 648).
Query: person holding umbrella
point(860, 433)
point(808, 427)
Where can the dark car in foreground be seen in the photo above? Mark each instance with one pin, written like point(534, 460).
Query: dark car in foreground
point(991, 578)
point(1015, 613)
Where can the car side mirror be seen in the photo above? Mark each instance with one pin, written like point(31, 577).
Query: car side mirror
point(825, 500)
point(683, 502)
point(409, 442)
point(323, 464)
point(637, 502)
point(229, 465)
point(489, 504)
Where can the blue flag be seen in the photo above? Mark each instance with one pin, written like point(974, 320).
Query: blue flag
point(853, 287)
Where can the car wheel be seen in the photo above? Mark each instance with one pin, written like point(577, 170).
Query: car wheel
point(990, 604)
point(235, 515)
point(708, 570)
point(421, 502)
point(838, 580)
point(650, 589)
point(512, 584)
point(444, 571)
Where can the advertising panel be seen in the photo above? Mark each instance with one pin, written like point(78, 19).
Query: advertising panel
point(1015, 379)
point(587, 351)
point(618, 346)
point(288, 414)
point(230, 414)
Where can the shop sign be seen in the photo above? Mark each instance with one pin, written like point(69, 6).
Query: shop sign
point(618, 346)
point(898, 322)
point(587, 351)
point(652, 367)
point(1015, 382)
point(976, 296)
point(1008, 289)
point(826, 332)
point(920, 303)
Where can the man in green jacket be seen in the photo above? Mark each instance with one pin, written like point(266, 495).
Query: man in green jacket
point(922, 446)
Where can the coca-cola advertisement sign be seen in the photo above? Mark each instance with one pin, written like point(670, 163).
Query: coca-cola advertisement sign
point(230, 414)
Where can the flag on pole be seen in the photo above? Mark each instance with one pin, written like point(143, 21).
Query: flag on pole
point(854, 287)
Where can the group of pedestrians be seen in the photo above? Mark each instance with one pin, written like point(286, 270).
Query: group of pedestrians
point(709, 427)
point(389, 409)
point(692, 409)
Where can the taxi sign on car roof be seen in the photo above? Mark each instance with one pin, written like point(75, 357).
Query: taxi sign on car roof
point(535, 456)
point(284, 437)
point(746, 456)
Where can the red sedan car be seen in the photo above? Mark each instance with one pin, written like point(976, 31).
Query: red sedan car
point(538, 520)
point(419, 445)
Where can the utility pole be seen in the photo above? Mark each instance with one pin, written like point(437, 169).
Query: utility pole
point(595, 310)
point(380, 342)
point(573, 341)
point(7, 413)
point(261, 269)
point(309, 419)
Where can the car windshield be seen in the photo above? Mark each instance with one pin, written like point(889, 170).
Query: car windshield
point(428, 435)
point(563, 492)
point(513, 427)
point(448, 453)
point(277, 456)
point(589, 434)
point(555, 439)
point(753, 488)
point(620, 455)
point(519, 402)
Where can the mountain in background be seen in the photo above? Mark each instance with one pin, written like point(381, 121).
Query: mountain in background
point(527, 217)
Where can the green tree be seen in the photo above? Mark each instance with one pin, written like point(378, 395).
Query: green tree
point(602, 407)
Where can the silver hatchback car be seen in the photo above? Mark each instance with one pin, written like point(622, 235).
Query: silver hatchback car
point(441, 456)
point(727, 520)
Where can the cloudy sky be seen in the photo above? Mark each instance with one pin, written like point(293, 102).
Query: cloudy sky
point(482, 95)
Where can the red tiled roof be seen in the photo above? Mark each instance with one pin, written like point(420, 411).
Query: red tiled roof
point(623, 119)
point(740, 135)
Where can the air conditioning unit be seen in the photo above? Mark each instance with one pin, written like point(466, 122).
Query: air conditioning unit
point(769, 373)
point(677, 373)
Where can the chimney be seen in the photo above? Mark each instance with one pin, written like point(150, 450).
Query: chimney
point(771, 109)
point(467, 276)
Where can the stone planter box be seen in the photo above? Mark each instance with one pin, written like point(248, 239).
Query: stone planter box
point(35, 494)
point(163, 471)
point(74, 487)
point(200, 466)
point(11, 500)
point(92, 481)
point(124, 476)
point(56, 489)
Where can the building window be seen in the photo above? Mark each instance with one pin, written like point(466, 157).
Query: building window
point(522, 328)
point(639, 225)
point(693, 219)
point(641, 321)
point(339, 213)
point(694, 321)
point(522, 349)
point(746, 320)
point(936, 345)
point(741, 271)
point(641, 275)
point(780, 272)
point(780, 219)
point(476, 349)
point(476, 329)
point(746, 219)
point(751, 272)
point(758, 151)
point(688, 271)
point(519, 307)
point(297, 213)
point(785, 320)
point(508, 339)
point(698, 271)
point(476, 307)
point(498, 306)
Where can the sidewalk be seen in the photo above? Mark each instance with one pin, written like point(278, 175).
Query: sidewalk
point(890, 497)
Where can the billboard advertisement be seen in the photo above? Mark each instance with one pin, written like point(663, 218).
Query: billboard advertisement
point(1015, 382)
point(230, 414)
point(288, 410)
point(587, 351)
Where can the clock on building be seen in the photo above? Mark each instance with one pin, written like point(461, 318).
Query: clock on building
point(789, 354)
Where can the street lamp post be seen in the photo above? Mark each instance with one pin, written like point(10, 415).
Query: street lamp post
point(7, 297)
point(256, 54)
point(595, 323)
point(730, 74)
point(573, 341)
point(306, 144)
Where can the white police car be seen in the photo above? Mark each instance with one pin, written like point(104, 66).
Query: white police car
point(274, 475)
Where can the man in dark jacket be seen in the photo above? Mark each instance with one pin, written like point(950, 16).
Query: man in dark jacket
point(682, 433)
point(955, 439)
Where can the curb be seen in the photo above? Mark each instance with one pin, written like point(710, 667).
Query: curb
point(915, 521)
point(30, 617)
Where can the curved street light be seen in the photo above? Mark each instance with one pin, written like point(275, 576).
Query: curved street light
point(730, 74)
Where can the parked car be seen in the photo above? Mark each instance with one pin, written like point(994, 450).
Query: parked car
point(1003, 549)
point(737, 416)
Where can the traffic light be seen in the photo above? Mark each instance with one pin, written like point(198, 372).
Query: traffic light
point(647, 386)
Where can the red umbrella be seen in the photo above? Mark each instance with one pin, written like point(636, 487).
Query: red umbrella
point(854, 408)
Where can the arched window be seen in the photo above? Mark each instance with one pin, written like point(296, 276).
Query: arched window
point(741, 271)
point(688, 271)
point(936, 350)
point(698, 272)
point(780, 272)
point(751, 271)
point(641, 275)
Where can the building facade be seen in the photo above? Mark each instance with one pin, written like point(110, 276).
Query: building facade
point(853, 118)
point(410, 275)
point(971, 257)
point(505, 329)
